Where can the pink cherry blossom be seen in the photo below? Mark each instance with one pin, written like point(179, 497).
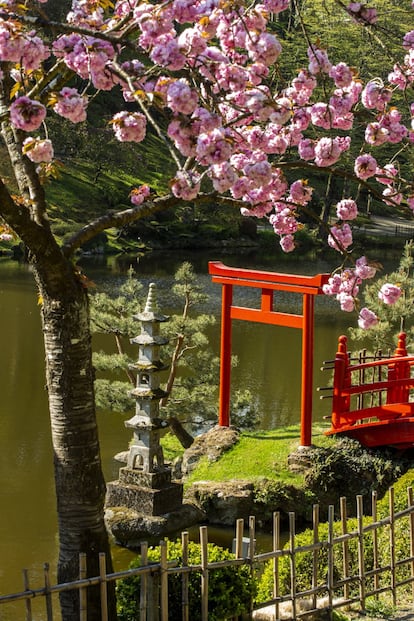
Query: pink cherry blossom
point(365, 166)
point(223, 176)
point(306, 149)
point(186, 185)
point(284, 222)
point(11, 43)
point(341, 74)
point(327, 151)
point(264, 48)
point(38, 150)
point(129, 126)
point(275, 6)
point(138, 195)
point(300, 192)
point(182, 98)
point(213, 147)
point(34, 52)
point(392, 196)
point(287, 243)
point(376, 134)
point(346, 209)
point(71, 105)
point(27, 114)
point(375, 95)
point(389, 293)
point(318, 61)
point(386, 175)
point(346, 301)
point(363, 270)
point(362, 13)
point(367, 318)
point(322, 115)
point(340, 237)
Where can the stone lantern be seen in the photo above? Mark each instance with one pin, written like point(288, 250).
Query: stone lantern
point(144, 501)
point(145, 452)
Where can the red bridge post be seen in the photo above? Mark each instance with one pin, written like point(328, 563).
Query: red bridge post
point(341, 379)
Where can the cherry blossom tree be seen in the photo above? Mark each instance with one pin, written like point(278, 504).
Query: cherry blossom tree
point(200, 74)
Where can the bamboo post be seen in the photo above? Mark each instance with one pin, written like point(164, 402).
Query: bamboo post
point(361, 563)
point(276, 547)
point(143, 596)
point(375, 542)
point(28, 604)
point(392, 545)
point(292, 559)
point(331, 573)
point(239, 537)
point(83, 592)
point(204, 573)
point(345, 547)
point(315, 516)
point(48, 596)
point(410, 504)
point(103, 586)
point(164, 580)
point(252, 541)
point(185, 578)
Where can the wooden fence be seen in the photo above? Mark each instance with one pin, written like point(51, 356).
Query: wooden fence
point(362, 558)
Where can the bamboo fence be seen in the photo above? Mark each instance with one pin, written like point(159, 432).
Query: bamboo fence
point(345, 584)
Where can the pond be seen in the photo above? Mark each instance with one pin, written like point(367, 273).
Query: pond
point(269, 365)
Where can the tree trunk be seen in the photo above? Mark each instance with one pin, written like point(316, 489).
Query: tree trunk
point(80, 486)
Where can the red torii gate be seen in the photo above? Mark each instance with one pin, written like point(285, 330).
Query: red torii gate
point(268, 282)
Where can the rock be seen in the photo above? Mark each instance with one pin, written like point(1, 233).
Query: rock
point(211, 444)
point(223, 502)
point(130, 528)
point(321, 613)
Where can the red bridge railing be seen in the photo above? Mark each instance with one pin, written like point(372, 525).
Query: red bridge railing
point(268, 283)
point(371, 399)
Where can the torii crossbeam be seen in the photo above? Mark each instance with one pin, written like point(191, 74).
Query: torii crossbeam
point(268, 282)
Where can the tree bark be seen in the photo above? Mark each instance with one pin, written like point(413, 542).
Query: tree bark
point(80, 486)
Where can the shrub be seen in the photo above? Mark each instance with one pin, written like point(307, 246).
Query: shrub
point(230, 589)
point(304, 561)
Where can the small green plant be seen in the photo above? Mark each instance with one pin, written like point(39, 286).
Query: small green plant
point(230, 589)
point(377, 607)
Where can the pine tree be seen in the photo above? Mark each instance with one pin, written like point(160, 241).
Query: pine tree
point(193, 375)
point(393, 318)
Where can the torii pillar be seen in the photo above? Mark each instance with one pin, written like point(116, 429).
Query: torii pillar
point(268, 282)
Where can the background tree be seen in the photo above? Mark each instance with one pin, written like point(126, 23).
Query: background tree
point(198, 77)
point(392, 318)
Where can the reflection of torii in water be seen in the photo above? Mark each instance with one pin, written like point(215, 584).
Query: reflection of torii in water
point(268, 282)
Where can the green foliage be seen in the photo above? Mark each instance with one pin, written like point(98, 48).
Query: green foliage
point(347, 469)
point(395, 317)
point(230, 589)
point(304, 561)
point(400, 494)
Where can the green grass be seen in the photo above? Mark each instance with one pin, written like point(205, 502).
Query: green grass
point(256, 455)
